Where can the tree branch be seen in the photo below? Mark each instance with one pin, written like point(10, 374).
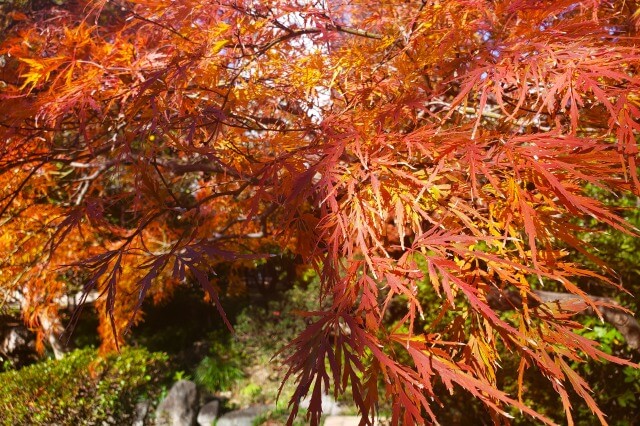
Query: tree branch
point(624, 322)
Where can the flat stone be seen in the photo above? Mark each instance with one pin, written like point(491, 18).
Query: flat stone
point(244, 417)
point(342, 421)
point(349, 421)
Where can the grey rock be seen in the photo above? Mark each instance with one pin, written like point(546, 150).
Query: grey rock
point(243, 417)
point(208, 413)
point(16, 339)
point(179, 406)
point(17, 343)
point(142, 410)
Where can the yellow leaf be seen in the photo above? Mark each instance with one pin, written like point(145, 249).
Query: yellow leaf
point(39, 70)
point(218, 45)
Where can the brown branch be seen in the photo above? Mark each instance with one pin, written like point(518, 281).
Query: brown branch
point(15, 193)
point(624, 322)
point(161, 25)
point(355, 31)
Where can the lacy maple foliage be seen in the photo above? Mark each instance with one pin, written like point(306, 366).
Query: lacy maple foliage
point(145, 142)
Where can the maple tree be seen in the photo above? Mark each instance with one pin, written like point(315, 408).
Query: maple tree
point(390, 145)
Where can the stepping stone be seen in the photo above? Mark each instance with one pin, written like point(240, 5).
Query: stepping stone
point(349, 421)
point(342, 421)
point(244, 417)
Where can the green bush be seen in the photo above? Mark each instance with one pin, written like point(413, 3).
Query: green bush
point(81, 389)
point(222, 368)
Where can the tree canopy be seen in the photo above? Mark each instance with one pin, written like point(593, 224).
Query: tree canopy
point(388, 145)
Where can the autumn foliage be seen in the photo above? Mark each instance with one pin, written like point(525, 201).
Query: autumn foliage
point(146, 142)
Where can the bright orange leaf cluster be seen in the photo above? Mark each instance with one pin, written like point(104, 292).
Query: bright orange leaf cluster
point(144, 142)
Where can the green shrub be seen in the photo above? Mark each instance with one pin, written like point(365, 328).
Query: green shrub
point(221, 369)
point(81, 389)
